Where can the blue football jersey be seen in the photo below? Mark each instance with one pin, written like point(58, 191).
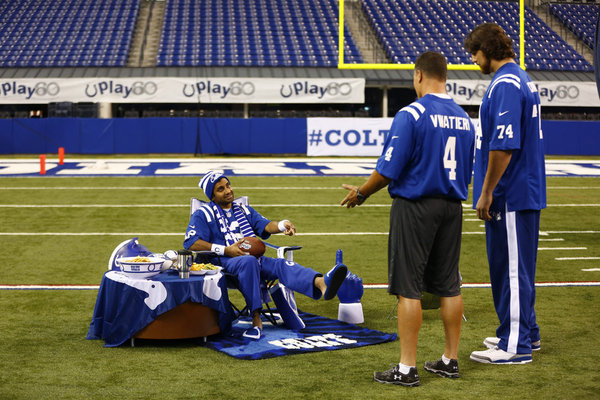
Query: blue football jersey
point(510, 119)
point(429, 150)
point(204, 225)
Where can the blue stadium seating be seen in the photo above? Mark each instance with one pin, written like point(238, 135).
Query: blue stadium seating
point(295, 33)
point(70, 33)
point(407, 28)
point(579, 18)
point(290, 33)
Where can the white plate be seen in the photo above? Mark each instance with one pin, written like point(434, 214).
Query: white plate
point(206, 271)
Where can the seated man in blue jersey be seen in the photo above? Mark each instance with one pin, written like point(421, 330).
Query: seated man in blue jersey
point(220, 225)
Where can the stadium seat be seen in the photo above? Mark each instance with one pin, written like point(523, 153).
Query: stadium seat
point(283, 33)
point(72, 27)
point(417, 26)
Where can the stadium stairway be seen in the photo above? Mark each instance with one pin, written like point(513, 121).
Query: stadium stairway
point(146, 37)
point(366, 40)
point(542, 10)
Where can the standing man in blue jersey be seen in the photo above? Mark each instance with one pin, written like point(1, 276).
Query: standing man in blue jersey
point(509, 190)
point(427, 161)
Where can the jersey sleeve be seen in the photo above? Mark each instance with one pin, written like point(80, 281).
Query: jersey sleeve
point(258, 223)
point(398, 147)
point(505, 115)
point(199, 228)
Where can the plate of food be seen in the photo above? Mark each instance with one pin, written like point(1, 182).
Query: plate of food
point(204, 269)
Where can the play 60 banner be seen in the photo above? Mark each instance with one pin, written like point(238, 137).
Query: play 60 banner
point(346, 136)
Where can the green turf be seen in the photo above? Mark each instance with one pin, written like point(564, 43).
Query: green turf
point(44, 353)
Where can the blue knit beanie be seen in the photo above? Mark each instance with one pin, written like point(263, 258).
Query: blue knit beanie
point(208, 181)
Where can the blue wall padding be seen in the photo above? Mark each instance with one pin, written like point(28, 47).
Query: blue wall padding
point(216, 136)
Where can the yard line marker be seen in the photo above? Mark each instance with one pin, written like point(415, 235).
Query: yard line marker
point(591, 269)
point(562, 248)
point(573, 187)
point(565, 232)
point(366, 286)
point(297, 234)
point(573, 205)
point(165, 205)
point(166, 187)
point(49, 287)
point(537, 284)
point(253, 205)
point(236, 187)
point(576, 258)
point(551, 240)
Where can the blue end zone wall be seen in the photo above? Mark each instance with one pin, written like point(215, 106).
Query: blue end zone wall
point(216, 136)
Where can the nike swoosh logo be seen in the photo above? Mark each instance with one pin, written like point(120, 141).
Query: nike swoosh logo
point(502, 113)
point(393, 137)
point(192, 226)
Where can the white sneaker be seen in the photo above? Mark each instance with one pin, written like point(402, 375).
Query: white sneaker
point(491, 342)
point(497, 356)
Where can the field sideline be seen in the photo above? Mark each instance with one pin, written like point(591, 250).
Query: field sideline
point(57, 234)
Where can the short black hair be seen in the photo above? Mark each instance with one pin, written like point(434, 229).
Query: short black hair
point(433, 65)
point(491, 39)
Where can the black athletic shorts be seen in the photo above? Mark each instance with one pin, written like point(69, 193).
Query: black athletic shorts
point(424, 247)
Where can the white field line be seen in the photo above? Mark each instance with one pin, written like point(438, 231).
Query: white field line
point(366, 286)
point(591, 269)
point(561, 248)
point(253, 205)
point(551, 240)
point(236, 187)
point(297, 234)
point(165, 188)
point(576, 258)
point(165, 205)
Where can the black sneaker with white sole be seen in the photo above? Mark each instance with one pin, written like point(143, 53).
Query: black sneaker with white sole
point(395, 377)
point(439, 368)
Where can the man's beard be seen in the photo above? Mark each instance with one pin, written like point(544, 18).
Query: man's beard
point(485, 68)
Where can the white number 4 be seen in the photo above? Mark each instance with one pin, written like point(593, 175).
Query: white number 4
point(450, 157)
point(505, 129)
point(388, 153)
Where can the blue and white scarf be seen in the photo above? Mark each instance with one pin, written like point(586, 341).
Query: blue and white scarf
point(240, 217)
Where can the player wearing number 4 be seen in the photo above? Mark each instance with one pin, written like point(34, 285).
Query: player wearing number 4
point(509, 190)
point(427, 161)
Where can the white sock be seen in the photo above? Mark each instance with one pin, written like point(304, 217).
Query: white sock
point(445, 359)
point(404, 369)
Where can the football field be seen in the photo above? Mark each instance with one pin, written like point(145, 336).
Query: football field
point(57, 233)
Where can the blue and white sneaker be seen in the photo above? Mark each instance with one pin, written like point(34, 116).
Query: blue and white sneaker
point(253, 333)
point(491, 342)
point(499, 356)
point(334, 279)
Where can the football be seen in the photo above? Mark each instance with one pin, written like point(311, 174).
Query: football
point(252, 245)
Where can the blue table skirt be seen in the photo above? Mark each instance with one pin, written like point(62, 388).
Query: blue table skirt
point(124, 306)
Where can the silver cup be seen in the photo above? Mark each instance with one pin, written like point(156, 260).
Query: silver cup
point(184, 263)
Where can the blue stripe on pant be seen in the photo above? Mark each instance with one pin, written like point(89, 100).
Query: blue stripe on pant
point(250, 271)
point(512, 242)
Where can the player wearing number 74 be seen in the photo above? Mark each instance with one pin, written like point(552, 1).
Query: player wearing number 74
point(426, 163)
